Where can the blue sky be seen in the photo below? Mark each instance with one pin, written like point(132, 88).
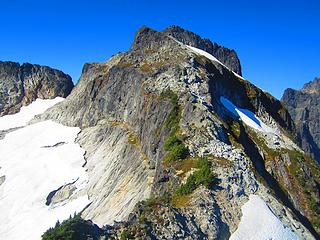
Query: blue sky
point(278, 42)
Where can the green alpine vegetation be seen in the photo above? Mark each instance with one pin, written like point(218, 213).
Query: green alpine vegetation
point(202, 176)
point(176, 149)
point(74, 228)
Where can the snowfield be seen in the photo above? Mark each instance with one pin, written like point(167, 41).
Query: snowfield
point(259, 223)
point(246, 116)
point(26, 113)
point(35, 161)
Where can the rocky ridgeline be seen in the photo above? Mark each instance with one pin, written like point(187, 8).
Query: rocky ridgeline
point(22, 84)
point(133, 108)
point(227, 56)
point(304, 107)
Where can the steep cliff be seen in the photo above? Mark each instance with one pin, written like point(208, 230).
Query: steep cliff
point(176, 142)
point(22, 84)
point(304, 106)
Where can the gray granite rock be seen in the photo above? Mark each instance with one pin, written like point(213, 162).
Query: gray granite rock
point(22, 84)
point(225, 55)
point(304, 107)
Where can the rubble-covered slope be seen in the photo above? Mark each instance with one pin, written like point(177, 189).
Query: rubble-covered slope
point(22, 84)
point(170, 147)
point(304, 106)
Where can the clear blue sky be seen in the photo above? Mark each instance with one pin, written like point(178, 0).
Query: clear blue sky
point(278, 42)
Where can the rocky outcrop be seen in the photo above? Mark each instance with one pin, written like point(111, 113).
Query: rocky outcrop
point(22, 84)
point(227, 56)
point(304, 107)
point(160, 91)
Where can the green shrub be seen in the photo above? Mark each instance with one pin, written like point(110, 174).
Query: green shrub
point(188, 187)
point(177, 152)
point(171, 141)
point(75, 228)
point(175, 148)
point(125, 235)
point(202, 176)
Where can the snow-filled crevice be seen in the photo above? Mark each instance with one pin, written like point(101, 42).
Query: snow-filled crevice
point(246, 116)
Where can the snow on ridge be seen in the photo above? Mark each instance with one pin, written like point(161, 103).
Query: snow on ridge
point(211, 57)
point(26, 113)
point(246, 116)
point(259, 223)
point(32, 171)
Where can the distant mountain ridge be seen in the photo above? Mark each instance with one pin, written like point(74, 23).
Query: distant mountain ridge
point(22, 84)
point(304, 107)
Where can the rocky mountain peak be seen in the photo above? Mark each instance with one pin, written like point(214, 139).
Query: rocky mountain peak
point(304, 105)
point(226, 56)
point(147, 38)
point(148, 115)
point(22, 84)
point(312, 86)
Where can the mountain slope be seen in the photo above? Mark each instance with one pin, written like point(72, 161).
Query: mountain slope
point(148, 118)
point(22, 84)
point(303, 106)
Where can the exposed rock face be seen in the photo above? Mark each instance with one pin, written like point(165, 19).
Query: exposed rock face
point(125, 108)
point(304, 107)
point(227, 56)
point(22, 84)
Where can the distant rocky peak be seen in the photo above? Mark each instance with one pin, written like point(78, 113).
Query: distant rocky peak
point(22, 84)
point(312, 86)
point(304, 105)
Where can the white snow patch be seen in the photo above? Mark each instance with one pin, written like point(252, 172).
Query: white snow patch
point(26, 113)
point(212, 58)
point(32, 171)
point(259, 223)
point(246, 116)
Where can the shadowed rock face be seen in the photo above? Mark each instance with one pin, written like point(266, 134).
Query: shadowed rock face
point(227, 56)
point(304, 107)
point(22, 84)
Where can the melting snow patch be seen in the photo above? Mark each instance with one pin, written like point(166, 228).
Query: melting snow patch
point(259, 223)
point(32, 171)
point(246, 116)
point(26, 113)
